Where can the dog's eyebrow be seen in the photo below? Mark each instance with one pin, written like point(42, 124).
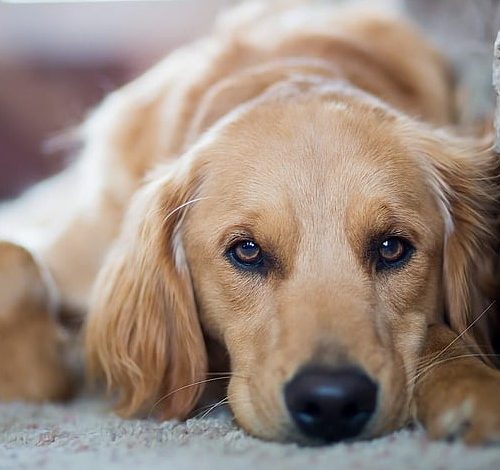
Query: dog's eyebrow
point(239, 231)
point(380, 218)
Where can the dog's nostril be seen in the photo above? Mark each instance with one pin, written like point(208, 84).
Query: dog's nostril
point(312, 409)
point(331, 404)
point(310, 412)
point(350, 409)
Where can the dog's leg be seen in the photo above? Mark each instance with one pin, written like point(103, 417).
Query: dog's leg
point(456, 394)
point(32, 366)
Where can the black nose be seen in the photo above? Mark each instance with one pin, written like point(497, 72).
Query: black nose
point(331, 404)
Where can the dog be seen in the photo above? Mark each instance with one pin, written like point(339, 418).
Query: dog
point(279, 206)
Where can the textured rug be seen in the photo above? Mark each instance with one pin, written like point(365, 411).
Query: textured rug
point(85, 435)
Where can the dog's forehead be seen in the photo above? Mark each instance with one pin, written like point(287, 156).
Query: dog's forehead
point(308, 152)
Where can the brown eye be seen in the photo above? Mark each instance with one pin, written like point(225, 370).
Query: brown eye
point(247, 254)
point(393, 252)
point(391, 249)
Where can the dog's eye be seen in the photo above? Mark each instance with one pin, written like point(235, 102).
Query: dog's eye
point(393, 252)
point(247, 254)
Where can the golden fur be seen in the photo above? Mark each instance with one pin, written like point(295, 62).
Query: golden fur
point(313, 131)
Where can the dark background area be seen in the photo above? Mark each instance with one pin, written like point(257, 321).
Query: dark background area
point(58, 59)
point(38, 102)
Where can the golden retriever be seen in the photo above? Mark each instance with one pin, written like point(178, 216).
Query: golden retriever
point(279, 196)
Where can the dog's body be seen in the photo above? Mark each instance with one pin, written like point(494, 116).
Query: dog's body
point(288, 134)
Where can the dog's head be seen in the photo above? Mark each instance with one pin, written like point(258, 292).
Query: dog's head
point(315, 234)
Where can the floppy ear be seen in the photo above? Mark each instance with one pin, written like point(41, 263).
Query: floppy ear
point(143, 334)
point(464, 176)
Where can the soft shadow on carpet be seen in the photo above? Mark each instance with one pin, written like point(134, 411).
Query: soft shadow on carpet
point(85, 435)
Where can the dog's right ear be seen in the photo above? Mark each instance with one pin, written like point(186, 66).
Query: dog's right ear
point(463, 175)
point(143, 335)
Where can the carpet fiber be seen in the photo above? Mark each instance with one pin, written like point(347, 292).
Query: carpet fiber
point(85, 435)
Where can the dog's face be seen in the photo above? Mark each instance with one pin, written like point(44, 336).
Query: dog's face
point(315, 256)
point(306, 234)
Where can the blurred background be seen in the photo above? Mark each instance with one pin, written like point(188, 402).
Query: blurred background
point(59, 58)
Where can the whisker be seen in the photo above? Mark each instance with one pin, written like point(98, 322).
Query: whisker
point(212, 408)
point(164, 397)
point(226, 400)
point(442, 361)
point(229, 399)
point(196, 413)
point(425, 364)
point(229, 374)
point(429, 358)
point(187, 203)
point(465, 330)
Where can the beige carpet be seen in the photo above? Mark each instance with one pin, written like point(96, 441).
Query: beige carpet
point(84, 435)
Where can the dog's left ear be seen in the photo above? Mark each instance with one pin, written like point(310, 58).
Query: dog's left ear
point(143, 334)
point(463, 174)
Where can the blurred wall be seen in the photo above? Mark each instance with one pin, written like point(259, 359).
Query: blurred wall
point(465, 30)
point(57, 60)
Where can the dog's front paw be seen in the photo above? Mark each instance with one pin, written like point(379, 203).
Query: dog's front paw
point(465, 406)
point(459, 397)
point(32, 363)
point(456, 395)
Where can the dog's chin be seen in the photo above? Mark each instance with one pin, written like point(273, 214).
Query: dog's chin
point(253, 413)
